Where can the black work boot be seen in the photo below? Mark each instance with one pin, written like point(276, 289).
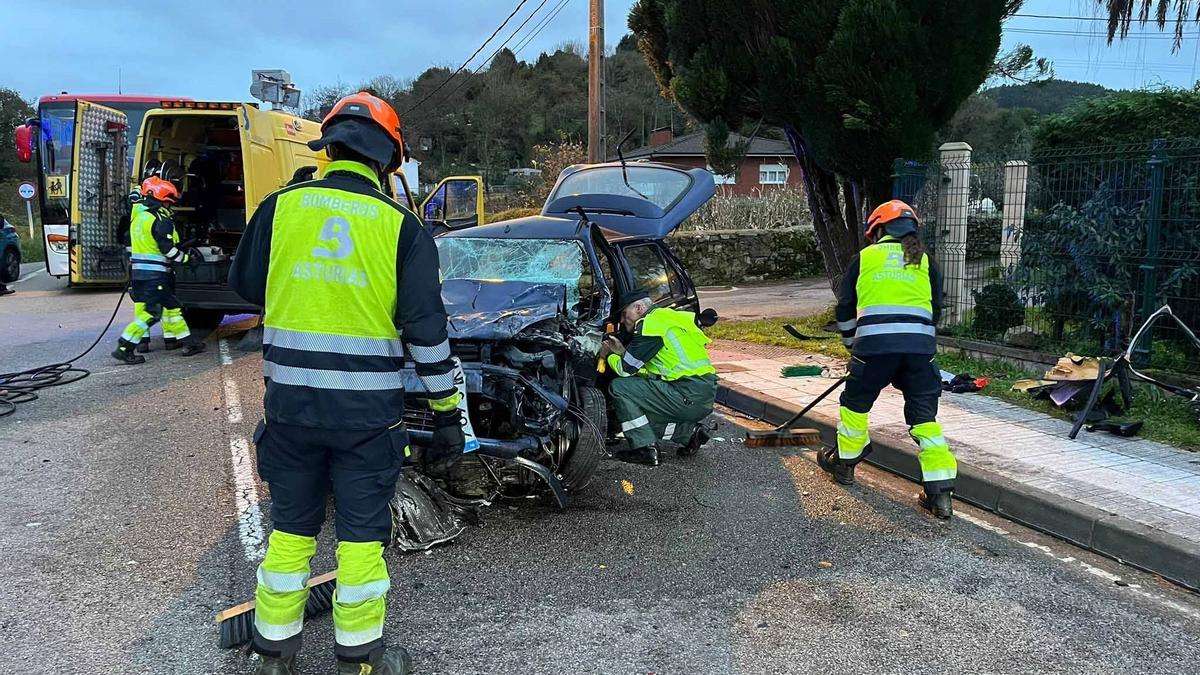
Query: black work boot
point(699, 438)
point(843, 473)
point(276, 665)
point(126, 352)
point(647, 455)
point(144, 346)
point(940, 505)
point(171, 344)
point(382, 661)
point(192, 347)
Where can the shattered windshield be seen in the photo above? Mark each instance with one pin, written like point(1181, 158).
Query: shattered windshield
point(547, 261)
point(662, 187)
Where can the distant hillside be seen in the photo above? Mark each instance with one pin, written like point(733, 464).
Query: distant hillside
point(1045, 97)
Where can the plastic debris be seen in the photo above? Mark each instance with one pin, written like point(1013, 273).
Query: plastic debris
point(1073, 368)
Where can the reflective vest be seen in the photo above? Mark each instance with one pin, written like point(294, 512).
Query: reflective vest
point(331, 351)
point(683, 353)
point(895, 303)
point(145, 257)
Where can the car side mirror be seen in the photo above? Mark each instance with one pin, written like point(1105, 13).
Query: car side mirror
point(708, 318)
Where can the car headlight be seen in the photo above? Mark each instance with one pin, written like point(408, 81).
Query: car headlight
point(58, 242)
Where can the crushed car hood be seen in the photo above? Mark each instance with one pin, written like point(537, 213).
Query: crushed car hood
point(498, 310)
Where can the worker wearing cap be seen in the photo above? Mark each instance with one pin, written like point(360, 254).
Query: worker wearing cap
point(154, 251)
point(887, 311)
point(342, 272)
point(665, 385)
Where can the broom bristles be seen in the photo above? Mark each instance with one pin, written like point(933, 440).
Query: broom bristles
point(788, 437)
point(237, 623)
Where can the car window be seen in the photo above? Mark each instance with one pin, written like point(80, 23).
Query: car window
point(606, 269)
point(658, 185)
point(650, 271)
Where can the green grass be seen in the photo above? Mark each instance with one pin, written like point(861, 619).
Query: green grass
point(31, 249)
point(1168, 418)
point(770, 332)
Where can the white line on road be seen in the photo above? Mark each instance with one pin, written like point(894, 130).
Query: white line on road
point(29, 276)
point(245, 487)
point(1110, 577)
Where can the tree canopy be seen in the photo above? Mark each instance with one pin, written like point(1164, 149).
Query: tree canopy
point(1121, 118)
point(853, 83)
point(1123, 14)
point(492, 120)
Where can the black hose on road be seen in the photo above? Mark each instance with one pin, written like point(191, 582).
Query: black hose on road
point(22, 386)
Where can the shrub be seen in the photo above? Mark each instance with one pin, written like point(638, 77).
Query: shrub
point(997, 308)
point(775, 209)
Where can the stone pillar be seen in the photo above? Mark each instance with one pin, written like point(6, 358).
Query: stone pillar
point(1016, 189)
point(953, 207)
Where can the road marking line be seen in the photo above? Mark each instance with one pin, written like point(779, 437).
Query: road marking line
point(245, 487)
point(1104, 574)
point(29, 276)
point(233, 402)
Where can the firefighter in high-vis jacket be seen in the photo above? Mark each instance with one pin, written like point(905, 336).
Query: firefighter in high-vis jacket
point(887, 311)
point(343, 274)
point(665, 385)
point(154, 250)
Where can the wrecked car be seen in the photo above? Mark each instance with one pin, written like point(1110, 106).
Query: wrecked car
point(529, 301)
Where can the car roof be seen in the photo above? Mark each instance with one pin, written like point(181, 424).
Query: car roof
point(532, 227)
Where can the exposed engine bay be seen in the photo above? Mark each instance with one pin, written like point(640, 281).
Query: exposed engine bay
point(541, 427)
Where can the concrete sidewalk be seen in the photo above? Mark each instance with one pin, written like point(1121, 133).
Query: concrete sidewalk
point(1134, 500)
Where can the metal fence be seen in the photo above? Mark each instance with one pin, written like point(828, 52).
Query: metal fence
point(1068, 250)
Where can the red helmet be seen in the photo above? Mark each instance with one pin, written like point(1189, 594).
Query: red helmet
point(369, 108)
point(161, 190)
point(901, 217)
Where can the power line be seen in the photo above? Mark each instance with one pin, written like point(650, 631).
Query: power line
point(1086, 18)
point(1070, 33)
point(495, 53)
point(466, 63)
point(545, 23)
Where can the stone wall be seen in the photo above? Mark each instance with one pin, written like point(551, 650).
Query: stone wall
point(743, 256)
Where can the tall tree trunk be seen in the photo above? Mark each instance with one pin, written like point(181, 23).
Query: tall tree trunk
point(837, 241)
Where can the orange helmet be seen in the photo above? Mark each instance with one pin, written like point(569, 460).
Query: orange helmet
point(895, 217)
point(364, 107)
point(161, 190)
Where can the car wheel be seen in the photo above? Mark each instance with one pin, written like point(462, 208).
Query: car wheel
point(584, 455)
point(10, 265)
point(203, 319)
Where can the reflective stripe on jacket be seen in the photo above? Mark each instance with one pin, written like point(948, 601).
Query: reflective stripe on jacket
point(343, 272)
point(888, 307)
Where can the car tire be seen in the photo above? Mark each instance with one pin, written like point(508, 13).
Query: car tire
point(583, 458)
point(203, 319)
point(10, 265)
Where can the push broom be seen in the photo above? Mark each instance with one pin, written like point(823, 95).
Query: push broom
point(237, 623)
point(784, 435)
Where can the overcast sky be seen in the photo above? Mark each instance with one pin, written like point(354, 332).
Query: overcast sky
point(206, 49)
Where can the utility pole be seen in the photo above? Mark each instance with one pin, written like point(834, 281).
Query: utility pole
point(596, 114)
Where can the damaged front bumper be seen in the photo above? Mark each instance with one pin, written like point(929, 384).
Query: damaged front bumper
point(483, 382)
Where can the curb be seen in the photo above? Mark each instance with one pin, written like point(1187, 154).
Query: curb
point(1116, 537)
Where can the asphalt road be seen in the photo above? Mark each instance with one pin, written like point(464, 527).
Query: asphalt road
point(800, 298)
point(128, 519)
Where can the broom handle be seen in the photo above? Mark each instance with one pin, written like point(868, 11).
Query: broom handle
point(796, 418)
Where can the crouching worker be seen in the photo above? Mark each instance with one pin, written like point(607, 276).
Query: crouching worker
point(888, 307)
point(154, 251)
point(666, 383)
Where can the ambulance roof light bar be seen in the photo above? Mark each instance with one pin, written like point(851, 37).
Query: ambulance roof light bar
point(200, 105)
